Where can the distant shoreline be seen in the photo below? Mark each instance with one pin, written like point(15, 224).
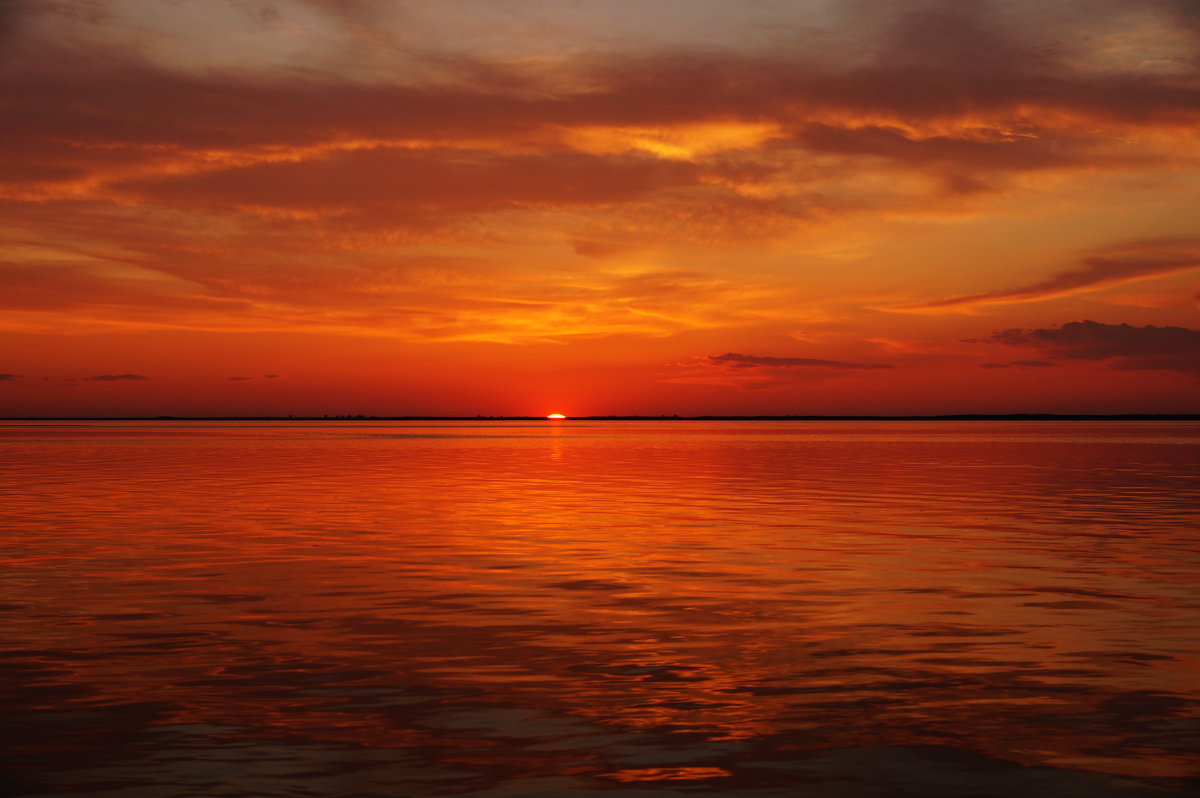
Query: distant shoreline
point(954, 417)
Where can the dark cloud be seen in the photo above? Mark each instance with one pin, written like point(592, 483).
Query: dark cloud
point(936, 67)
point(1041, 364)
point(1122, 345)
point(271, 376)
point(738, 361)
point(988, 150)
point(1120, 264)
point(115, 378)
point(9, 377)
point(12, 13)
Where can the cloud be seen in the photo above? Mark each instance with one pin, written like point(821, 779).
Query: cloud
point(760, 372)
point(422, 180)
point(9, 377)
point(983, 149)
point(271, 376)
point(256, 194)
point(115, 378)
point(73, 285)
point(1122, 264)
point(1042, 364)
point(951, 87)
point(1124, 346)
point(738, 361)
point(240, 379)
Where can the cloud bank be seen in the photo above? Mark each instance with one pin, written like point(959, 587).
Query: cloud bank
point(1123, 346)
point(250, 193)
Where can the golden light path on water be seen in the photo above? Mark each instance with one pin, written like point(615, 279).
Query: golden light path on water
point(495, 609)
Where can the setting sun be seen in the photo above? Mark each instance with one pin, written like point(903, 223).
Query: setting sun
point(556, 415)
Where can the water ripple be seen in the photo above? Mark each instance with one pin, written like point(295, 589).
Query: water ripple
point(678, 608)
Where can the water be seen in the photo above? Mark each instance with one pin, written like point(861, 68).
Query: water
point(500, 609)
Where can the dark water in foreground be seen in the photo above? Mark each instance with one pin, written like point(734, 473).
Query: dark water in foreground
point(499, 609)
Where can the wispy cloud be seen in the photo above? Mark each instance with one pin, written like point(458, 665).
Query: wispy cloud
point(739, 361)
point(116, 378)
point(1121, 264)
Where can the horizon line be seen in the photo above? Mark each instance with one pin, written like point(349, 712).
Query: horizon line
point(739, 417)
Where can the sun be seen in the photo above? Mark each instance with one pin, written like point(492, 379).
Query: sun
point(556, 415)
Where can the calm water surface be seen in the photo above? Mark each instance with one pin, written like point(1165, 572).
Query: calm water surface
point(501, 609)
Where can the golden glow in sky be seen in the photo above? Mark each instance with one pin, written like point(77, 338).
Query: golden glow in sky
point(704, 207)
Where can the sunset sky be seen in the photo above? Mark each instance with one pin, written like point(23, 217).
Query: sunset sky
point(460, 207)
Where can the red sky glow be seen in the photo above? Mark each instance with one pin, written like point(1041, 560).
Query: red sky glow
point(682, 207)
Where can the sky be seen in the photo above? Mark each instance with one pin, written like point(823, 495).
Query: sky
point(592, 207)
